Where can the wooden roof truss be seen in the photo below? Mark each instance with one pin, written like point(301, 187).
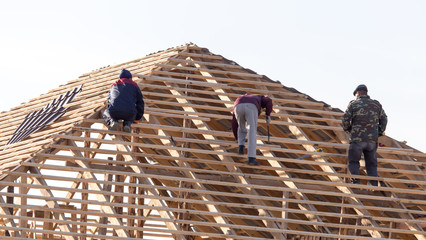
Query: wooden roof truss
point(178, 174)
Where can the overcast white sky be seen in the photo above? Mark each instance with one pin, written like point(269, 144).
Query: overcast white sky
point(321, 48)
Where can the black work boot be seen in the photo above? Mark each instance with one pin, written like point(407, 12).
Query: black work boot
point(355, 181)
point(126, 126)
point(252, 161)
point(241, 149)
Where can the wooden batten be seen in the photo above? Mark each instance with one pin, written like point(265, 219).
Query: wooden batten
point(178, 174)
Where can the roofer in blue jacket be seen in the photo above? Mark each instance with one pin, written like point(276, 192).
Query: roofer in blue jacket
point(125, 102)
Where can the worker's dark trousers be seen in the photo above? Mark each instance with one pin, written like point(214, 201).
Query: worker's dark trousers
point(369, 149)
point(128, 117)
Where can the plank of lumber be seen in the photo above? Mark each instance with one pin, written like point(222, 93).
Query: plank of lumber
point(221, 86)
point(253, 176)
point(196, 69)
point(230, 204)
point(371, 197)
point(228, 80)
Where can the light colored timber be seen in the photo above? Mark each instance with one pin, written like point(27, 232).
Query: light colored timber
point(308, 162)
point(97, 213)
point(198, 55)
point(228, 80)
point(256, 217)
point(371, 197)
point(280, 140)
point(229, 134)
point(212, 64)
point(176, 210)
point(185, 136)
point(281, 100)
point(254, 176)
point(229, 204)
point(207, 84)
point(214, 71)
point(265, 146)
point(216, 225)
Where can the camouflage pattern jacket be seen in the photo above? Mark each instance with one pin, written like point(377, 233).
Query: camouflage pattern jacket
point(364, 119)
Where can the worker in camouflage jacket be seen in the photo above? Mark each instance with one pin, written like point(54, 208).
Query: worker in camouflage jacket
point(365, 120)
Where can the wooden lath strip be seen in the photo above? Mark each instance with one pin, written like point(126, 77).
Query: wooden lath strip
point(228, 204)
point(199, 185)
point(212, 100)
point(145, 86)
point(238, 185)
point(125, 184)
point(227, 80)
point(289, 160)
point(168, 67)
point(275, 139)
point(219, 163)
point(201, 234)
point(202, 223)
point(244, 179)
point(219, 85)
point(256, 217)
point(219, 64)
point(7, 217)
point(203, 125)
point(52, 203)
point(140, 172)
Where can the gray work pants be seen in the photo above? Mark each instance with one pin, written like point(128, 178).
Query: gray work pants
point(247, 114)
point(370, 157)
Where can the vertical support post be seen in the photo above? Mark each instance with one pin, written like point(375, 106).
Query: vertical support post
point(284, 214)
point(9, 200)
point(185, 205)
point(132, 189)
point(182, 184)
point(358, 222)
point(141, 202)
point(118, 189)
point(344, 200)
point(84, 196)
point(23, 224)
point(107, 187)
point(391, 226)
point(131, 211)
point(47, 225)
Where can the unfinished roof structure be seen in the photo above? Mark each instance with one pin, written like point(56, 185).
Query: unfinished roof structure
point(178, 175)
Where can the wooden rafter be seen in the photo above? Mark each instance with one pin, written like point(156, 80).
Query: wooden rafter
point(178, 174)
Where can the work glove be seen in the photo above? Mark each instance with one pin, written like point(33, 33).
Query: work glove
point(268, 119)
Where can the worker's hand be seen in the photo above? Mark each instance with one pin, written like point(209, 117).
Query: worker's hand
point(268, 119)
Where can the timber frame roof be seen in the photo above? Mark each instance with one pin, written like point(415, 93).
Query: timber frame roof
point(177, 175)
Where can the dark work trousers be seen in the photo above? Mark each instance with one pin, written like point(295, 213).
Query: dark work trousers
point(369, 150)
point(127, 116)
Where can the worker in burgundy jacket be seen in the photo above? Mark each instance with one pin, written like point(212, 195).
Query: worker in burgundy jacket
point(247, 109)
point(125, 102)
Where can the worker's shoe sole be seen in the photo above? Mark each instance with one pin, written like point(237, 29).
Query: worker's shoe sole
point(252, 161)
point(127, 129)
point(113, 126)
point(241, 149)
